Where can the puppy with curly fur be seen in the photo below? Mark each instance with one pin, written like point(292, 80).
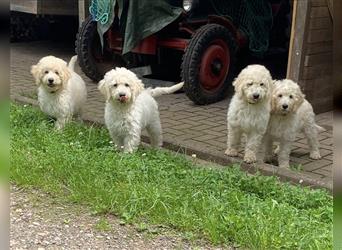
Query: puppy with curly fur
point(130, 108)
point(61, 92)
point(291, 113)
point(249, 111)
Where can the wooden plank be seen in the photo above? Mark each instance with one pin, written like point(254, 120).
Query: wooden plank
point(45, 7)
point(322, 104)
point(318, 3)
point(311, 60)
point(330, 7)
point(290, 71)
point(317, 71)
point(315, 36)
point(320, 23)
point(319, 87)
point(59, 7)
point(83, 10)
point(29, 6)
point(319, 12)
point(298, 34)
point(320, 83)
point(315, 48)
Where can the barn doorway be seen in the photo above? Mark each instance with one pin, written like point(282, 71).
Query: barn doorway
point(276, 57)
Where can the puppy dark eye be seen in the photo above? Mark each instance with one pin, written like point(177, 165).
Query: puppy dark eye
point(56, 72)
point(249, 84)
point(46, 72)
point(115, 85)
point(262, 84)
point(126, 85)
point(280, 95)
point(291, 96)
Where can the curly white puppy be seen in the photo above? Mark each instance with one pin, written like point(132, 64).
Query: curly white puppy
point(249, 110)
point(130, 108)
point(290, 114)
point(61, 92)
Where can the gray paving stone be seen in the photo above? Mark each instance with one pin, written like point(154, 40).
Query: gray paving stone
point(313, 165)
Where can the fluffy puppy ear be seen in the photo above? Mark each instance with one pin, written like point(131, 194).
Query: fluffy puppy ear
point(35, 72)
point(273, 101)
point(270, 86)
point(65, 74)
point(238, 83)
point(137, 87)
point(102, 87)
point(300, 97)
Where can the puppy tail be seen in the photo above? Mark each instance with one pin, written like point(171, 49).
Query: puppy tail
point(320, 129)
point(166, 90)
point(72, 62)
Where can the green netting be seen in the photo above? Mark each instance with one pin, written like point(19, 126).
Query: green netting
point(253, 17)
point(101, 10)
point(138, 19)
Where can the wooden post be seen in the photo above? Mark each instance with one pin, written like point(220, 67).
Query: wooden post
point(298, 34)
point(83, 10)
point(337, 56)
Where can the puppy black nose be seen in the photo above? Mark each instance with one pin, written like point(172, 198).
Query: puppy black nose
point(256, 96)
point(285, 106)
point(50, 80)
point(122, 94)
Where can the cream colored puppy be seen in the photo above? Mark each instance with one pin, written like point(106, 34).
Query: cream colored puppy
point(61, 92)
point(290, 114)
point(130, 108)
point(249, 111)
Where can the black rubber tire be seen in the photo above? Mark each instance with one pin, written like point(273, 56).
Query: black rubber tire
point(192, 60)
point(86, 37)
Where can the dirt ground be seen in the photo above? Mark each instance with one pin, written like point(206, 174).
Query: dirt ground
point(39, 221)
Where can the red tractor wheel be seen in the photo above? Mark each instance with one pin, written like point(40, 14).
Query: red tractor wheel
point(207, 67)
point(94, 61)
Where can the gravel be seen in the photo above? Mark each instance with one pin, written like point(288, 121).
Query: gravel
point(40, 221)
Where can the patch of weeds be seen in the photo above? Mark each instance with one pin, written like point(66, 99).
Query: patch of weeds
point(141, 227)
point(103, 225)
point(296, 167)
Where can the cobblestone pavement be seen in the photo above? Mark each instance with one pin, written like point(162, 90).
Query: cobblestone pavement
point(199, 129)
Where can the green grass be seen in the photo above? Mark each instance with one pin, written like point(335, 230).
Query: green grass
point(103, 225)
point(152, 187)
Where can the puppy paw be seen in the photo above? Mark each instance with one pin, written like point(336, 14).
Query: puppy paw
point(315, 155)
point(249, 157)
point(232, 152)
point(59, 126)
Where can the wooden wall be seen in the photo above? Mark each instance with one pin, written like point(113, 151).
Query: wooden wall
point(316, 60)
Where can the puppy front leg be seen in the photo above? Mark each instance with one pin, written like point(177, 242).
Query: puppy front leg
point(117, 141)
point(233, 141)
point(266, 149)
point(284, 154)
point(252, 145)
point(61, 121)
point(131, 142)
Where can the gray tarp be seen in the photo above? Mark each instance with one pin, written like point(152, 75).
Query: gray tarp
point(139, 19)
